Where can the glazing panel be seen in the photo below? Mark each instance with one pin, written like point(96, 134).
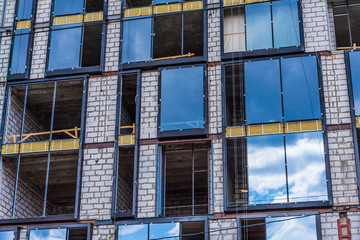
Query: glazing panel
point(133, 232)
point(182, 101)
point(169, 231)
point(164, 1)
point(286, 23)
point(306, 167)
point(262, 92)
point(294, 228)
point(266, 169)
point(258, 26)
point(136, 40)
point(65, 47)
point(67, 7)
point(48, 234)
point(355, 78)
point(24, 10)
point(234, 29)
point(300, 88)
point(20, 51)
point(7, 235)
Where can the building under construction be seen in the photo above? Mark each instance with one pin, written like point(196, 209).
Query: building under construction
point(191, 119)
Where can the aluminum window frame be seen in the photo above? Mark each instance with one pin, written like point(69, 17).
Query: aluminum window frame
point(57, 226)
point(15, 229)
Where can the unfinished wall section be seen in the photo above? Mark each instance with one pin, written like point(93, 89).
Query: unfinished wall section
point(315, 24)
point(218, 176)
point(112, 46)
point(214, 99)
point(329, 226)
point(149, 104)
point(38, 60)
point(105, 232)
point(101, 109)
point(147, 181)
point(216, 225)
point(214, 45)
point(97, 180)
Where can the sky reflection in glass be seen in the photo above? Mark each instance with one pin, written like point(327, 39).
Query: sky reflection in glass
point(301, 88)
point(355, 77)
point(182, 102)
point(67, 7)
point(162, 230)
point(24, 10)
point(20, 51)
point(7, 235)
point(133, 232)
point(48, 234)
point(266, 169)
point(306, 167)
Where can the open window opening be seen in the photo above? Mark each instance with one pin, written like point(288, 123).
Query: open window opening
point(35, 195)
point(94, 6)
point(186, 177)
point(269, 25)
point(60, 232)
point(44, 111)
point(91, 55)
point(280, 227)
point(347, 24)
point(175, 230)
point(128, 104)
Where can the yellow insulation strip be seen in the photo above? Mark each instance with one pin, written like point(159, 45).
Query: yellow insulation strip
point(41, 146)
point(79, 18)
point(264, 129)
point(126, 140)
point(357, 122)
point(303, 126)
point(240, 2)
point(235, 132)
point(166, 8)
point(90, 17)
point(23, 24)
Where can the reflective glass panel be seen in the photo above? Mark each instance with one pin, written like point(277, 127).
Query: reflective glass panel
point(133, 232)
point(258, 26)
point(169, 231)
point(20, 51)
point(182, 102)
point(48, 234)
point(24, 9)
point(355, 78)
point(65, 47)
point(262, 92)
point(285, 23)
point(266, 169)
point(306, 167)
point(300, 88)
point(164, 1)
point(294, 228)
point(136, 40)
point(67, 7)
point(7, 235)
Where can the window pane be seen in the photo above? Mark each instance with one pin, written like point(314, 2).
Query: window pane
point(354, 12)
point(342, 31)
point(20, 51)
point(300, 88)
point(182, 102)
point(294, 228)
point(234, 30)
point(66, 7)
point(306, 167)
point(24, 10)
point(133, 232)
point(7, 235)
point(263, 92)
point(136, 40)
point(258, 26)
point(355, 78)
point(266, 169)
point(164, 1)
point(65, 47)
point(48, 234)
point(165, 230)
point(286, 23)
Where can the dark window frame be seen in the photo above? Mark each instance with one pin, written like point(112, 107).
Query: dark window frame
point(57, 226)
point(26, 74)
point(55, 218)
point(287, 214)
point(150, 64)
point(114, 213)
point(186, 132)
point(79, 70)
point(325, 140)
point(260, 52)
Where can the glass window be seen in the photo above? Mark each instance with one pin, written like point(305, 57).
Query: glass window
point(67, 7)
point(65, 47)
point(24, 9)
point(262, 92)
point(285, 23)
point(7, 235)
point(169, 231)
point(136, 40)
point(133, 232)
point(20, 51)
point(300, 88)
point(182, 99)
point(48, 234)
point(354, 58)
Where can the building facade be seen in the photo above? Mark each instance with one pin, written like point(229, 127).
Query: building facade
point(167, 119)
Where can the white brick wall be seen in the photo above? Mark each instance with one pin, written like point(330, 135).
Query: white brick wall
point(112, 46)
point(214, 99)
point(223, 224)
point(329, 227)
point(214, 49)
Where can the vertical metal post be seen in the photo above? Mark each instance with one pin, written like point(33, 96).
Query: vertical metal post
point(193, 179)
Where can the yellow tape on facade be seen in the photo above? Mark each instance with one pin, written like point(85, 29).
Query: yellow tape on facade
point(126, 140)
point(166, 8)
point(276, 128)
point(357, 122)
point(41, 146)
point(79, 18)
point(240, 2)
point(23, 24)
